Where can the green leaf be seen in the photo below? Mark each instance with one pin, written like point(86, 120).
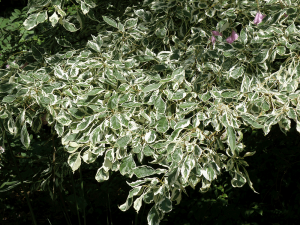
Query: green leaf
point(144, 58)
point(262, 56)
point(5, 88)
point(41, 17)
point(160, 105)
point(138, 203)
point(292, 114)
point(115, 122)
point(131, 104)
point(63, 42)
point(188, 165)
point(31, 21)
point(231, 139)
point(151, 87)
point(172, 177)
point(135, 191)
point(123, 141)
point(93, 45)
point(144, 171)
point(249, 154)
point(179, 94)
point(148, 196)
point(236, 72)
point(113, 102)
point(36, 53)
point(110, 21)
point(124, 207)
point(205, 97)
point(59, 128)
point(74, 161)
point(136, 183)
point(175, 134)
point(37, 124)
point(54, 19)
point(95, 135)
point(127, 165)
point(186, 105)
point(148, 151)
point(98, 40)
point(238, 180)
point(209, 172)
point(102, 175)
point(153, 216)
point(131, 23)
point(182, 124)
point(280, 50)
point(165, 205)
point(162, 125)
point(251, 120)
point(95, 91)
point(90, 3)
point(123, 120)
point(69, 26)
point(150, 136)
point(25, 136)
point(243, 36)
point(11, 125)
point(249, 181)
point(84, 7)
point(59, 10)
point(291, 30)
point(85, 123)
point(89, 157)
point(229, 94)
point(159, 67)
point(161, 32)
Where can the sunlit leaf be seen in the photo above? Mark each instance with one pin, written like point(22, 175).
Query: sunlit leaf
point(74, 161)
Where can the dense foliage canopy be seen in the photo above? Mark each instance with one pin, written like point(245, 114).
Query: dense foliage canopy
point(160, 93)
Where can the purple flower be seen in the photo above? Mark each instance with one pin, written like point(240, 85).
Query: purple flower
point(233, 37)
point(285, 15)
point(215, 33)
point(213, 39)
point(258, 18)
point(7, 66)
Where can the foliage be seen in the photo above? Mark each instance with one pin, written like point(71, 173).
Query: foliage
point(222, 204)
point(162, 93)
point(14, 37)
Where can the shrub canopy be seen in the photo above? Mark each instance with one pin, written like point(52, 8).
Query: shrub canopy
point(161, 92)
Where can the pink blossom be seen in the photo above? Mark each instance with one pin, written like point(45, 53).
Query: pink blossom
point(233, 37)
point(7, 66)
point(258, 18)
point(285, 15)
point(213, 39)
point(215, 33)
